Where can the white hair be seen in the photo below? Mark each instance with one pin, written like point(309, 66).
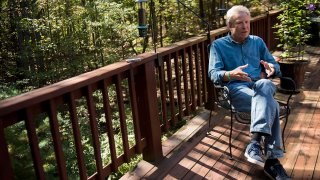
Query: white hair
point(234, 10)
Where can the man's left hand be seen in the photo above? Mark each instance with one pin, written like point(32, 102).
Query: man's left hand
point(268, 67)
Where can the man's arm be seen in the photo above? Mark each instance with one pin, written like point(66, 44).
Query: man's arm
point(269, 63)
point(216, 70)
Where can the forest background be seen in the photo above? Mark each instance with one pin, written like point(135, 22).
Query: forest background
point(43, 41)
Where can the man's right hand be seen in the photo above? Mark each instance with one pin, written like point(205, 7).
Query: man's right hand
point(238, 74)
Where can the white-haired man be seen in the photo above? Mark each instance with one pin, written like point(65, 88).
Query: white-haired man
point(236, 61)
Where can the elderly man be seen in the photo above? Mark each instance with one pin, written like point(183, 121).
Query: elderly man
point(241, 62)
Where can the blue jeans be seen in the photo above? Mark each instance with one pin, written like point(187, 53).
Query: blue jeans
point(257, 97)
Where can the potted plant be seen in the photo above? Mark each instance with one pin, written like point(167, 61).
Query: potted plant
point(291, 31)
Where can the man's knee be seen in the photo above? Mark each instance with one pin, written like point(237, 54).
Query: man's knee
point(264, 85)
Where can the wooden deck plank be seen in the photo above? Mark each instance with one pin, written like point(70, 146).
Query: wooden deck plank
point(224, 164)
point(315, 139)
point(311, 153)
point(300, 131)
point(174, 148)
point(241, 167)
point(299, 128)
point(306, 160)
point(191, 159)
point(179, 153)
point(290, 158)
point(316, 172)
point(211, 156)
point(313, 133)
point(142, 168)
point(174, 157)
point(169, 177)
point(306, 157)
point(188, 162)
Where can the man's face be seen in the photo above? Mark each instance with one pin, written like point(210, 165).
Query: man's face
point(240, 27)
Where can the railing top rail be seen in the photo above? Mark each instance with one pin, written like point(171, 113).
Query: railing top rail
point(28, 99)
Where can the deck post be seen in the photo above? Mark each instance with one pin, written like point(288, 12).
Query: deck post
point(148, 111)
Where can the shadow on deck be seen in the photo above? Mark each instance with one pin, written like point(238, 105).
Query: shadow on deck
point(191, 154)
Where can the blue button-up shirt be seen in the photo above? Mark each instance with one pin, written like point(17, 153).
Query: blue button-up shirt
point(226, 55)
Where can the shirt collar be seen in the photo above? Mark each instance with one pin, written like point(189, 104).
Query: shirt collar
point(231, 39)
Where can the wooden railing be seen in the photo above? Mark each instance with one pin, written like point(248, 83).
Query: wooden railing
point(151, 95)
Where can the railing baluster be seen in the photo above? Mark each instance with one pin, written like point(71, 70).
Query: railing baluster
point(135, 116)
point(178, 84)
point(204, 70)
point(54, 126)
point(34, 144)
point(163, 92)
point(191, 70)
point(185, 82)
point(197, 63)
point(94, 131)
point(109, 127)
point(171, 93)
point(122, 116)
point(77, 137)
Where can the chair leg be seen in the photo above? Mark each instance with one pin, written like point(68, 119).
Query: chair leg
point(284, 127)
point(230, 135)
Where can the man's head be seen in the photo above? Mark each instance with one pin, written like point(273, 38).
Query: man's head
point(238, 22)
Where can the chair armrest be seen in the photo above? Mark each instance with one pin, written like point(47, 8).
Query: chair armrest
point(223, 96)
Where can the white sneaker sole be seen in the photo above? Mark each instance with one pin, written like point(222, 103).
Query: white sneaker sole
point(261, 164)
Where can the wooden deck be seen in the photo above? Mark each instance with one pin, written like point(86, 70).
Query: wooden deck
point(191, 154)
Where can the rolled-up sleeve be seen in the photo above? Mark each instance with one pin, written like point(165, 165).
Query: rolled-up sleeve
point(216, 66)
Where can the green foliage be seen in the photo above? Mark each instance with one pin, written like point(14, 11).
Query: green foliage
point(292, 28)
point(21, 156)
point(8, 90)
point(126, 167)
point(55, 40)
point(178, 20)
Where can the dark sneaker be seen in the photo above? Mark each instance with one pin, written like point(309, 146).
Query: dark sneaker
point(254, 154)
point(276, 171)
